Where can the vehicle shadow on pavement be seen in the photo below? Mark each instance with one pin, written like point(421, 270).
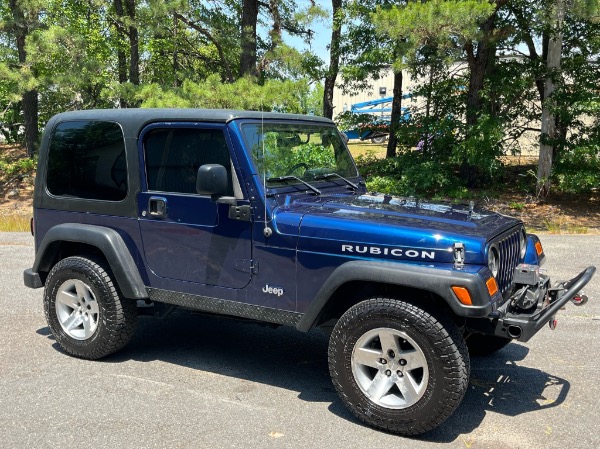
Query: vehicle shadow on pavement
point(499, 385)
point(288, 359)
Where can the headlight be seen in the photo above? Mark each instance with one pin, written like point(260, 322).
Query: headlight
point(493, 260)
point(523, 243)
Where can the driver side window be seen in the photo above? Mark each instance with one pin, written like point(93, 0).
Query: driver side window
point(173, 156)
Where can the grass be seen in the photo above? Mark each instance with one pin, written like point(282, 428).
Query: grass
point(516, 206)
point(364, 149)
point(14, 223)
point(561, 226)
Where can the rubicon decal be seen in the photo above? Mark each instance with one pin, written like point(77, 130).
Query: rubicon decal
point(395, 252)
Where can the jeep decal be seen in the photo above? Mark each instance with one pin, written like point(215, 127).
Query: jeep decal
point(277, 291)
point(396, 252)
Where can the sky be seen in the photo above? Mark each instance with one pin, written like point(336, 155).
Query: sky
point(322, 30)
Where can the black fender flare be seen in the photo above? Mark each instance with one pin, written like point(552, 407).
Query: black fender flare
point(434, 280)
point(107, 240)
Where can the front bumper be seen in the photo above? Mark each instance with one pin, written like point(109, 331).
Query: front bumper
point(511, 322)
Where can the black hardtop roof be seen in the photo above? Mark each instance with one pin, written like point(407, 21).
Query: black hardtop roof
point(137, 117)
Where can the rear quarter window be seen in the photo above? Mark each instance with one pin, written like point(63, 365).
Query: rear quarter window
point(87, 160)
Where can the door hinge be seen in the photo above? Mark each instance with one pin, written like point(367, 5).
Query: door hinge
point(246, 266)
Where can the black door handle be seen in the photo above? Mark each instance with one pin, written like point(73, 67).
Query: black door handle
point(157, 206)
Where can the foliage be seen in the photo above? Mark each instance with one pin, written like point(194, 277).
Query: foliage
point(274, 95)
point(186, 47)
point(81, 55)
point(408, 174)
point(577, 168)
point(21, 167)
point(285, 160)
point(312, 155)
point(443, 24)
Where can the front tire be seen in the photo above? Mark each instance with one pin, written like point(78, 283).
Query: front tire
point(379, 139)
point(84, 309)
point(397, 367)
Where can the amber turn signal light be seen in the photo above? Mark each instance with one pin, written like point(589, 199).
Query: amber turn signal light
point(463, 295)
point(492, 286)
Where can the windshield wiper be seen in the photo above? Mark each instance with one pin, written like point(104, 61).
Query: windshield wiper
point(294, 178)
point(331, 175)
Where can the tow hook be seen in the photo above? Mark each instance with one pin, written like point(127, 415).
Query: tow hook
point(580, 299)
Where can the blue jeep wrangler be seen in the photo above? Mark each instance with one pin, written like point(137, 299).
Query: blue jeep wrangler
point(265, 217)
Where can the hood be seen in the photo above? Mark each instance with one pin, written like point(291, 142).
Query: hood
point(383, 226)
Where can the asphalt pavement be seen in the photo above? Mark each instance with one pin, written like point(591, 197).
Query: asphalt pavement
point(189, 381)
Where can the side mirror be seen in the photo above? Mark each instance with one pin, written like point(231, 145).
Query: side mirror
point(212, 180)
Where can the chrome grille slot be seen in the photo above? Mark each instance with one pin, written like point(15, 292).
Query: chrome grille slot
point(508, 249)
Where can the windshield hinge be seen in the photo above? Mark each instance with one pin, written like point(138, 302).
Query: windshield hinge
point(242, 213)
point(459, 255)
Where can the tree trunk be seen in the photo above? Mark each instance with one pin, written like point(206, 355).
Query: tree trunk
point(134, 50)
point(30, 114)
point(249, 19)
point(548, 118)
point(334, 61)
point(176, 81)
point(20, 30)
point(121, 57)
point(426, 137)
point(478, 68)
point(396, 115)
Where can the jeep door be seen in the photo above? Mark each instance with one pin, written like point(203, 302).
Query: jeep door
point(189, 238)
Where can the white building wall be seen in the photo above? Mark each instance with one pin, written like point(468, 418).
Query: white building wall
point(342, 101)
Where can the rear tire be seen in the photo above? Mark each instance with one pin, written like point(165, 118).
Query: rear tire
point(84, 309)
point(397, 367)
point(482, 345)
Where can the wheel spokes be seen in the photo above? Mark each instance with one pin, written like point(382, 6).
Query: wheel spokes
point(367, 357)
point(67, 298)
point(408, 388)
point(390, 368)
point(74, 320)
point(388, 341)
point(414, 359)
point(92, 307)
point(380, 386)
point(77, 309)
point(82, 290)
point(89, 326)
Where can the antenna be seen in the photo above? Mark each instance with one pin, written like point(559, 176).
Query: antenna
point(267, 231)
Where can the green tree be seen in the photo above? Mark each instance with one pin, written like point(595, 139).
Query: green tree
point(366, 54)
point(72, 58)
point(437, 31)
point(283, 15)
point(19, 20)
point(563, 68)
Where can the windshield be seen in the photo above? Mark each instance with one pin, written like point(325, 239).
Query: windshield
point(303, 151)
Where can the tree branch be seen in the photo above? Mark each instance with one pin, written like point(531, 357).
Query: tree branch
point(210, 37)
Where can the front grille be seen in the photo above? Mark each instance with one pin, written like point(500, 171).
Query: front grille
point(509, 251)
